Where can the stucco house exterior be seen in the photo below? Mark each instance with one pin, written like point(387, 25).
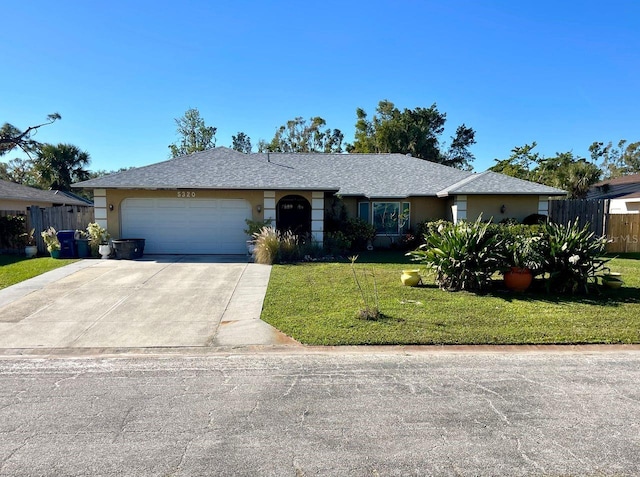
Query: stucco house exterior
point(18, 197)
point(198, 203)
point(623, 194)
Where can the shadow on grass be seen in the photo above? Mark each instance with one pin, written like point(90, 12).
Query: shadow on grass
point(600, 296)
point(9, 259)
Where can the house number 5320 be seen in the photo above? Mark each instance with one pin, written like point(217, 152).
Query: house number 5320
point(184, 195)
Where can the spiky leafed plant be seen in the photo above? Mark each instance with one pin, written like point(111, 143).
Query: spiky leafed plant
point(462, 256)
point(573, 257)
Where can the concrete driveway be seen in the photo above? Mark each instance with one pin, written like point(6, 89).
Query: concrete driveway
point(159, 301)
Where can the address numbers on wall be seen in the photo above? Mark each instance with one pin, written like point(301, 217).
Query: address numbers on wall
point(186, 194)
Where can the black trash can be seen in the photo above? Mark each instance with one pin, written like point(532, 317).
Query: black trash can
point(67, 243)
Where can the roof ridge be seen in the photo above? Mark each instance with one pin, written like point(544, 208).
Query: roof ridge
point(445, 192)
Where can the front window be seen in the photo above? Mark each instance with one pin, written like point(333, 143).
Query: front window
point(390, 218)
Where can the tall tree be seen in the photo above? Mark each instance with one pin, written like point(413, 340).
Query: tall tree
point(412, 131)
point(20, 171)
point(522, 163)
point(11, 137)
point(570, 173)
point(617, 161)
point(57, 167)
point(564, 170)
point(298, 135)
point(241, 142)
point(194, 134)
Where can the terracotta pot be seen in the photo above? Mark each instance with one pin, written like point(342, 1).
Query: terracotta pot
point(410, 278)
point(518, 279)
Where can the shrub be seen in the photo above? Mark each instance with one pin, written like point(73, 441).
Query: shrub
point(573, 257)
point(288, 247)
point(462, 256)
point(255, 226)
point(523, 246)
point(336, 243)
point(275, 247)
point(11, 227)
point(359, 232)
point(267, 244)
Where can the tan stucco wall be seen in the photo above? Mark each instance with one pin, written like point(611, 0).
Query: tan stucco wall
point(21, 205)
point(517, 207)
point(116, 196)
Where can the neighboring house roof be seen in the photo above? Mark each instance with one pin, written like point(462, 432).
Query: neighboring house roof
point(369, 175)
point(13, 191)
point(628, 179)
point(618, 188)
point(634, 195)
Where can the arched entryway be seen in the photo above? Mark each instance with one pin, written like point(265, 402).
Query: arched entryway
point(294, 213)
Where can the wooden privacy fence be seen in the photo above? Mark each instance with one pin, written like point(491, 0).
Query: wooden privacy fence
point(586, 211)
point(624, 232)
point(66, 217)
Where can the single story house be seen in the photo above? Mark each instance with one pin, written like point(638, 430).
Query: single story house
point(623, 194)
point(18, 197)
point(198, 203)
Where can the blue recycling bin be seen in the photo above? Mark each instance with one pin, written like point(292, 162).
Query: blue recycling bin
point(67, 243)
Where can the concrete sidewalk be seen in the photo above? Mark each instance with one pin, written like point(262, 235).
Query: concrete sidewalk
point(156, 302)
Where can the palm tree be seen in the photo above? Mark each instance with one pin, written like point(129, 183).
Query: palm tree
point(57, 167)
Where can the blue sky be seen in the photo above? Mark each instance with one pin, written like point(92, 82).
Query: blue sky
point(563, 74)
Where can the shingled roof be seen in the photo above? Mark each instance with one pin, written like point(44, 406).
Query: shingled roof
point(493, 183)
point(369, 175)
point(13, 191)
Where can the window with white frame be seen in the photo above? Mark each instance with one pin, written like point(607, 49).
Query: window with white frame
point(388, 217)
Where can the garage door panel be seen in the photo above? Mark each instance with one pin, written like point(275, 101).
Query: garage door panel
point(197, 226)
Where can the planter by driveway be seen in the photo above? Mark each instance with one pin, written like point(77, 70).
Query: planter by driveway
point(163, 301)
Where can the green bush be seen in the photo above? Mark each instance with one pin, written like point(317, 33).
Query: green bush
point(11, 227)
point(359, 232)
point(573, 257)
point(275, 247)
point(336, 243)
point(465, 255)
point(255, 226)
point(462, 256)
point(523, 246)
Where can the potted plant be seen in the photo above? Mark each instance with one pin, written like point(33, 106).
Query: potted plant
point(50, 237)
point(523, 257)
point(99, 240)
point(30, 248)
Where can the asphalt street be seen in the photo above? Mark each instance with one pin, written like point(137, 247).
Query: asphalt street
point(326, 413)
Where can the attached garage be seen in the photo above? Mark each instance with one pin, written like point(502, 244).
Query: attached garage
point(190, 226)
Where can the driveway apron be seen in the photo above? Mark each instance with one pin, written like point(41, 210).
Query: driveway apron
point(161, 301)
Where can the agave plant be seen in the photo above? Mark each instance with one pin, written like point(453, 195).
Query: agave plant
point(574, 257)
point(462, 256)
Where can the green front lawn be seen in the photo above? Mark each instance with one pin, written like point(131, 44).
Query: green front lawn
point(316, 303)
point(15, 269)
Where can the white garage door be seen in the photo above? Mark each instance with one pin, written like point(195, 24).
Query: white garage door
point(187, 225)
